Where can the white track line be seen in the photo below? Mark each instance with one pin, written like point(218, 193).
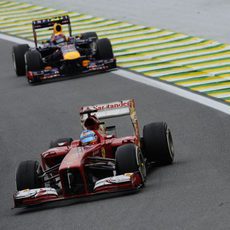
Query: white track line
point(16, 40)
point(175, 90)
point(150, 82)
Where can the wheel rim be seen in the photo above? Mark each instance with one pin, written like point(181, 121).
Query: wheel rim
point(14, 61)
point(170, 143)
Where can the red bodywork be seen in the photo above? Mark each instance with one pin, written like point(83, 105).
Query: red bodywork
point(70, 166)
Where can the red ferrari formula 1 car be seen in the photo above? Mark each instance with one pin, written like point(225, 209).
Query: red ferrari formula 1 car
point(62, 55)
point(99, 163)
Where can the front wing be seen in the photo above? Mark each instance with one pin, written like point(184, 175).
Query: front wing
point(99, 65)
point(115, 185)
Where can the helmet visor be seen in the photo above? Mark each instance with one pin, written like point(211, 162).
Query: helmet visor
point(87, 137)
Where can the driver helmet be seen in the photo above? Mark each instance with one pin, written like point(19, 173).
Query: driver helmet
point(88, 137)
point(58, 36)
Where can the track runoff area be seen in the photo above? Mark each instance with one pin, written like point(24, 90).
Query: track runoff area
point(192, 67)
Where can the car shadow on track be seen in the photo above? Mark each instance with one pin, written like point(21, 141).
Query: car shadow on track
point(71, 202)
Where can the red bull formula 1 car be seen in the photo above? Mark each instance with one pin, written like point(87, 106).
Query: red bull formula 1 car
point(100, 163)
point(62, 56)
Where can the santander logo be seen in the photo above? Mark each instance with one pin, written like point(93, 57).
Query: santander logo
point(113, 105)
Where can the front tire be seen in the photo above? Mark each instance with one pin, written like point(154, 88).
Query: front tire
point(158, 143)
point(18, 53)
point(27, 175)
point(33, 62)
point(129, 159)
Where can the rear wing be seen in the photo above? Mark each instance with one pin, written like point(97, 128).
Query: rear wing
point(49, 22)
point(113, 109)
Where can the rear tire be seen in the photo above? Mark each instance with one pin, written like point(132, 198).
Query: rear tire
point(27, 175)
point(104, 49)
point(67, 140)
point(88, 35)
point(158, 143)
point(18, 53)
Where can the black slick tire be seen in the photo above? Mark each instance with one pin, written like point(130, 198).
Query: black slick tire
point(34, 62)
point(18, 53)
point(104, 49)
point(126, 159)
point(27, 175)
point(158, 143)
point(88, 35)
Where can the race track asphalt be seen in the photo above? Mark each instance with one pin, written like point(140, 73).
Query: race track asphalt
point(193, 193)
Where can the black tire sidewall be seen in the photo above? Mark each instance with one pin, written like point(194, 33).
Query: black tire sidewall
point(157, 143)
point(18, 53)
point(27, 175)
point(104, 49)
point(33, 60)
point(126, 159)
point(88, 35)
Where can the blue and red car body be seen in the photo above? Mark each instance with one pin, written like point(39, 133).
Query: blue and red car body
point(76, 55)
